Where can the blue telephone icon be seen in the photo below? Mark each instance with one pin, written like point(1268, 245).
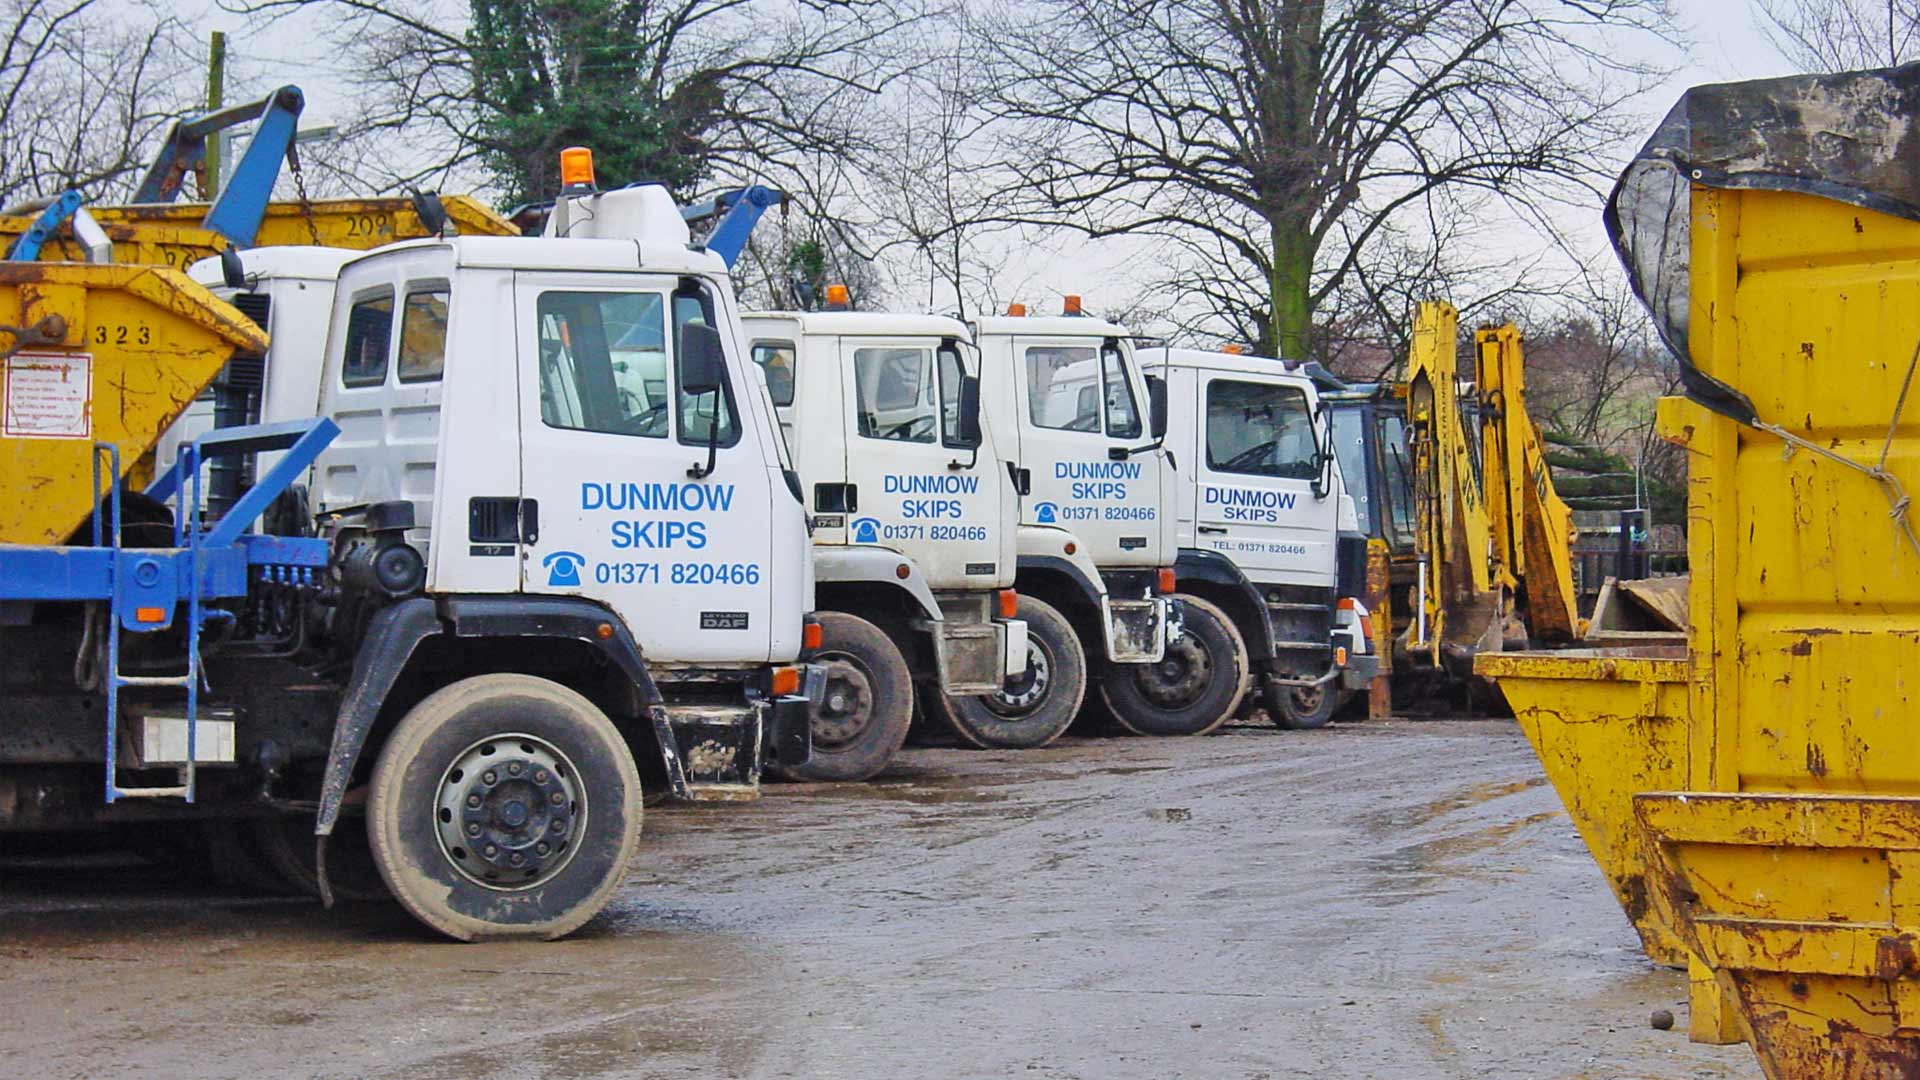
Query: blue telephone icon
point(564, 568)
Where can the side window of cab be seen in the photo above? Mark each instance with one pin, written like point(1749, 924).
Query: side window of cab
point(369, 340)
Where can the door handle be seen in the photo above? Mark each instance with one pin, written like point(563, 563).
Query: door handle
point(1213, 528)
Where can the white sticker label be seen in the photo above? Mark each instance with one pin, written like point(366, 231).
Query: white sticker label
point(49, 396)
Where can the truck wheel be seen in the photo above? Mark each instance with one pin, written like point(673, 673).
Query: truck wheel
point(1294, 708)
point(862, 722)
point(1036, 705)
point(504, 806)
point(1194, 689)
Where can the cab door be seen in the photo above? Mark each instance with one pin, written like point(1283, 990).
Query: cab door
point(1080, 398)
point(1259, 460)
point(615, 453)
point(917, 489)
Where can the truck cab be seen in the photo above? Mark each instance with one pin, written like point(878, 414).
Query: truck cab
point(1266, 530)
point(914, 531)
point(1097, 535)
point(567, 556)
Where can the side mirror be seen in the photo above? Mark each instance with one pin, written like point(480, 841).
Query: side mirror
point(232, 270)
point(431, 212)
point(703, 362)
point(1322, 451)
point(970, 434)
point(1157, 406)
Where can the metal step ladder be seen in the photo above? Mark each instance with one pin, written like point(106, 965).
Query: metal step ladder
point(186, 539)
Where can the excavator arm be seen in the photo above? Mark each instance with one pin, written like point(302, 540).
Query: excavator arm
point(1460, 603)
point(1532, 528)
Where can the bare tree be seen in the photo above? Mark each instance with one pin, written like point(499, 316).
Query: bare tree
point(1271, 144)
point(85, 94)
point(934, 179)
point(1842, 35)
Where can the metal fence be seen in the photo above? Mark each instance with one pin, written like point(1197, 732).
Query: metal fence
point(1624, 553)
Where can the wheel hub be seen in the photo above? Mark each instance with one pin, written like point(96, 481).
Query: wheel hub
point(1024, 692)
point(847, 707)
point(508, 811)
point(1179, 679)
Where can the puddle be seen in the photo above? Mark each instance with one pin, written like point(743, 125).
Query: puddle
point(1418, 870)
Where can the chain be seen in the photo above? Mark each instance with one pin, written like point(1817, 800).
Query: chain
point(48, 331)
point(1896, 493)
point(300, 189)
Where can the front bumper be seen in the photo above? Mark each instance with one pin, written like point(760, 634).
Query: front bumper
point(789, 734)
point(1360, 672)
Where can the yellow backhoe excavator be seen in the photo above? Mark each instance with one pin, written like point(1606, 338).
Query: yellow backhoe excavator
point(1472, 546)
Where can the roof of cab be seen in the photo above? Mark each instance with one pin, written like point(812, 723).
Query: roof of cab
point(291, 261)
point(867, 323)
point(549, 253)
point(1049, 326)
point(1208, 360)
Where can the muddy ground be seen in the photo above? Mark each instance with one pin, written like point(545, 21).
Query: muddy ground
point(1373, 901)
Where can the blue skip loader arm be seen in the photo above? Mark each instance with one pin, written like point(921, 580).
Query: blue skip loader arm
point(146, 579)
point(743, 208)
point(237, 210)
point(236, 213)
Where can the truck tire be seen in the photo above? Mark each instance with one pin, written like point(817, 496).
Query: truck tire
point(868, 707)
point(504, 806)
point(1292, 708)
point(1036, 706)
point(1194, 690)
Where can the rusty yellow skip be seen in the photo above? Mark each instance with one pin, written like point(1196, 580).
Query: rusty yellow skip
point(100, 353)
point(1773, 229)
point(170, 234)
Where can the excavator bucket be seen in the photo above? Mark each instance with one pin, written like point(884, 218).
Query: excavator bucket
point(172, 234)
point(96, 354)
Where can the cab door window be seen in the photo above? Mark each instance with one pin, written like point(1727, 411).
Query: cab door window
point(1079, 388)
point(776, 358)
point(1063, 388)
point(1260, 429)
point(894, 393)
point(603, 362)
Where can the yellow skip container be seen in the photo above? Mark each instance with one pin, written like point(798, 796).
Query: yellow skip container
point(96, 354)
point(1773, 229)
point(170, 234)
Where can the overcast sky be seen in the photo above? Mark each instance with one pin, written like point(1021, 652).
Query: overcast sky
point(1726, 44)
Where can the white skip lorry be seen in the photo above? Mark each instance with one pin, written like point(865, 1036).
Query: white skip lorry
point(1267, 533)
point(568, 555)
point(1098, 536)
point(914, 519)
